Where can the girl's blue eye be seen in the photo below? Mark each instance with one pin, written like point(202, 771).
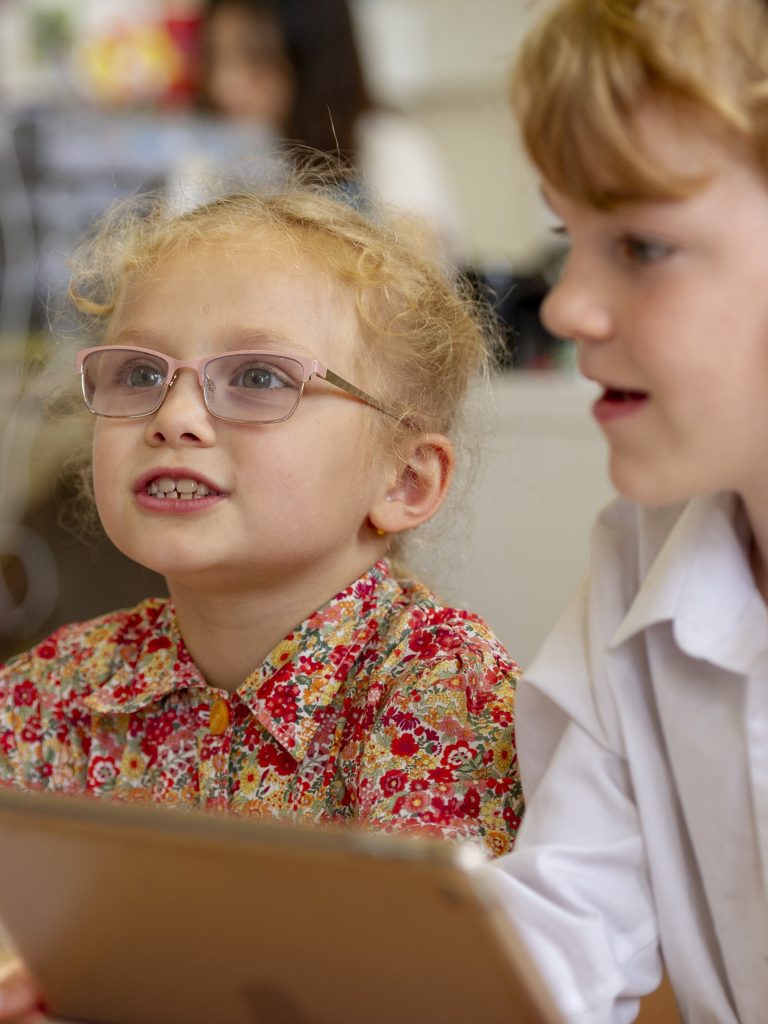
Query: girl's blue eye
point(135, 373)
point(261, 377)
point(146, 377)
point(636, 249)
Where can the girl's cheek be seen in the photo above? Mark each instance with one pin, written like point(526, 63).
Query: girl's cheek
point(107, 458)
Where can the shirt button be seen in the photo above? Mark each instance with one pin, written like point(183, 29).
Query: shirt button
point(219, 717)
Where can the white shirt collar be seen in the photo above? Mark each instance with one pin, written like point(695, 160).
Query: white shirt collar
point(700, 580)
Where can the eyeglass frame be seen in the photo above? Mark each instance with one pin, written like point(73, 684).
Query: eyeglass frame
point(309, 367)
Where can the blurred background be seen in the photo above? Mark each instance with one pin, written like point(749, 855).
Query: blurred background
point(101, 98)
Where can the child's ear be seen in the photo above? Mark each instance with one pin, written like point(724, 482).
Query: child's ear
point(423, 477)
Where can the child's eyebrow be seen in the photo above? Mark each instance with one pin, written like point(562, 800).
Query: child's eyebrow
point(246, 338)
point(144, 338)
point(255, 338)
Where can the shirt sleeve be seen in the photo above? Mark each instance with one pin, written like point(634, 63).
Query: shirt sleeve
point(577, 886)
point(441, 756)
point(20, 716)
point(43, 739)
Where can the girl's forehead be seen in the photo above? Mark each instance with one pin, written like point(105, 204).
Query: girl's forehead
point(266, 258)
point(230, 289)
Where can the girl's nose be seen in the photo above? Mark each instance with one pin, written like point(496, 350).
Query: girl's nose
point(182, 419)
point(575, 307)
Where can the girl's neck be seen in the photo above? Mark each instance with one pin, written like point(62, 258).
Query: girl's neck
point(229, 633)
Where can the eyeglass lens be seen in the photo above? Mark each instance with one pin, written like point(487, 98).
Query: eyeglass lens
point(253, 387)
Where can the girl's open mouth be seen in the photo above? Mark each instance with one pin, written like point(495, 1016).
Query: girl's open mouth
point(184, 489)
point(175, 491)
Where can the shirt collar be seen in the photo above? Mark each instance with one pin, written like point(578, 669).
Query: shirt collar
point(150, 660)
point(301, 676)
point(701, 581)
point(289, 690)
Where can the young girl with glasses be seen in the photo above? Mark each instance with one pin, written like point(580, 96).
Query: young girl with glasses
point(275, 380)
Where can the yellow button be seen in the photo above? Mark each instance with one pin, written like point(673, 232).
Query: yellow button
point(219, 718)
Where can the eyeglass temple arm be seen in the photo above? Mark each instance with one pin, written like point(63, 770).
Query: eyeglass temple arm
point(334, 378)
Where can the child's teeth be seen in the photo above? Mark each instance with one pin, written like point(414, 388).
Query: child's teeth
point(185, 489)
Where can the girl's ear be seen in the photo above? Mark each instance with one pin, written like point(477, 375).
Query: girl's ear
point(423, 477)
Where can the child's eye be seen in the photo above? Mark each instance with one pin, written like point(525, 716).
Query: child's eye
point(636, 249)
point(261, 377)
point(136, 374)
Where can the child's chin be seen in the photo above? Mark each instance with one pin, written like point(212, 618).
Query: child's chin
point(651, 491)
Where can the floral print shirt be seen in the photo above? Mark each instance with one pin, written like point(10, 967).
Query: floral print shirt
point(382, 707)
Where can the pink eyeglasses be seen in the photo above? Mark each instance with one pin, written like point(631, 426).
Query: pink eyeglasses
point(245, 387)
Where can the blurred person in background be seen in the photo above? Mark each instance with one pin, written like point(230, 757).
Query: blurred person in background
point(296, 68)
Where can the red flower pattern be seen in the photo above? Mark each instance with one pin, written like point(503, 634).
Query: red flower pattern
point(405, 745)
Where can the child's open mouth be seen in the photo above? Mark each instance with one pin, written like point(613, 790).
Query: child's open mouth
point(617, 402)
point(614, 395)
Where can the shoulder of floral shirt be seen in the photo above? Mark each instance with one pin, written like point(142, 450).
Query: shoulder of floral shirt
point(426, 647)
point(80, 657)
point(415, 632)
point(425, 635)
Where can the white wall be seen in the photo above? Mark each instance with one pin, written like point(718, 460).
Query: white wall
point(447, 63)
point(518, 548)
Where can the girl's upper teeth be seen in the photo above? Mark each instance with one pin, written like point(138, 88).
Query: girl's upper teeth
point(185, 488)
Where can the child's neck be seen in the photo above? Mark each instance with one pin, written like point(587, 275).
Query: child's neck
point(228, 635)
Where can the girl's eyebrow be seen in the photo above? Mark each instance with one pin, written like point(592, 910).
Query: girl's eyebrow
point(134, 336)
point(255, 338)
point(246, 338)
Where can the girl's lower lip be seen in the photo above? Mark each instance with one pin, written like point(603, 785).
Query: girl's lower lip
point(606, 409)
point(176, 506)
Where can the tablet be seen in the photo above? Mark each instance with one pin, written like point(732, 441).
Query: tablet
point(137, 914)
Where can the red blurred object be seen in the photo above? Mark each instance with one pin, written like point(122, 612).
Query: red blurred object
point(185, 33)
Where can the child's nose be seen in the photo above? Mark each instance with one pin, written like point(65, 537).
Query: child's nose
point(183, 417)
point(575, 308)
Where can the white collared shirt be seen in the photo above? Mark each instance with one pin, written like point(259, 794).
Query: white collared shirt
point(643, 741)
